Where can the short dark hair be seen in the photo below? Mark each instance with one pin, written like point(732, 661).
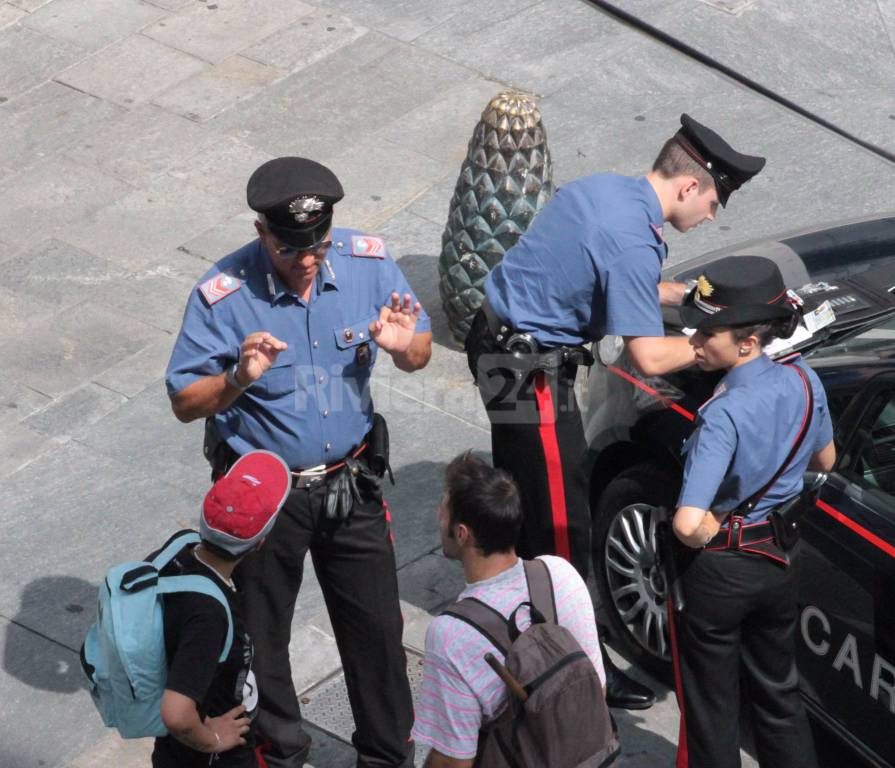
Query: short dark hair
point(484, 499)
point(673, 161)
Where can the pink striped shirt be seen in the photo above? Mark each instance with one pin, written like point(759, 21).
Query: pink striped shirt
point(459, 689)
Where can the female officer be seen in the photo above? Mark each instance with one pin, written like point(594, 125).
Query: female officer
point(765, 425)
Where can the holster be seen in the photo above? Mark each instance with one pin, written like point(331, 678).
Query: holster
point(785, 519)
point(217, 453)
point(378, 448)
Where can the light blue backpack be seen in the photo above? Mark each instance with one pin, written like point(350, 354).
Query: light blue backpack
point(123, 654)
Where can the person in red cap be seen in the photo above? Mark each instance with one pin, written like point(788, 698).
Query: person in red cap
point(209, 707)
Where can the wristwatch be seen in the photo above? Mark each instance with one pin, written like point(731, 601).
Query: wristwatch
point(231, 379)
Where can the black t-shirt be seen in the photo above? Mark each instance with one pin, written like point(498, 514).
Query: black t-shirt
point(195, 632)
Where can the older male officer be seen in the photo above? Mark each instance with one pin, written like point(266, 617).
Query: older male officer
point(589, 266)
point(276, 349)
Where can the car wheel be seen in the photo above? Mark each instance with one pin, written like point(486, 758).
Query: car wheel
point(632, 589)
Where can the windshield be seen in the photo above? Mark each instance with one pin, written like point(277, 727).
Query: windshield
point(876, 338)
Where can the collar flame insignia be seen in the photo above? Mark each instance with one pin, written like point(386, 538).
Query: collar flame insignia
point(304, 208)
point(704, 287)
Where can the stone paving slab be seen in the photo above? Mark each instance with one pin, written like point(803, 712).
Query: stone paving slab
point(380, 77)
point(218, 88)
point(30, 58)
point(75, 410)
point(132, 71)
point(214, 31)
point(809, 51)
point(92, 24)
point(399, 175)
point(50, 196)
point(313, 37)
point(75, 115)
point(65, 350)
point(42, 684)
point(9, 15)
point(140, 144)
point(138, 228)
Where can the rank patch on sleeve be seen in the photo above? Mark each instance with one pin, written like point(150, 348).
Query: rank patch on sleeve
point(219, 287)
point(369, 247)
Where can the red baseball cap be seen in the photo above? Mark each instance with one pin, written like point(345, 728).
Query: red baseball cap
point(241, 507)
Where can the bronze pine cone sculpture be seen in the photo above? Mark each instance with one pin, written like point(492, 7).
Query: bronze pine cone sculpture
point(506, 178)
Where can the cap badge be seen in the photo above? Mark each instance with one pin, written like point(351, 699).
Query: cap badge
point(304, 208)
point(704, 287)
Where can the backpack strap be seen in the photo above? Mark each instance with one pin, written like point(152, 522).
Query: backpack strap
point(146, 574)
point(540, 588)
point(204, 586)
point(484, 619)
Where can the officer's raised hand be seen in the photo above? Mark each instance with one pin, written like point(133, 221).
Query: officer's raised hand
point(395, 333)
point(258, 352)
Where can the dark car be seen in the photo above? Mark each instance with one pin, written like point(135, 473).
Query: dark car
point(636, 428)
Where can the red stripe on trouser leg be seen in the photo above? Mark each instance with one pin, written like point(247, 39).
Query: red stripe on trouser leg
point(682, 758)
point(547, 432)
point(388, 520)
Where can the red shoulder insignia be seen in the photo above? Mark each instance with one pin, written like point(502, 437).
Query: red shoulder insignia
point(219, 287)
point(368, 247)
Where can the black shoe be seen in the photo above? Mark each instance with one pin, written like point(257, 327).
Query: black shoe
point(624, 693)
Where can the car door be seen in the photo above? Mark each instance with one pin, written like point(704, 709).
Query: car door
point(846, 644)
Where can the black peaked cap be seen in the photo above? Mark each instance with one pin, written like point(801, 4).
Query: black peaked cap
point(296, 196)
point(730, 169)
point(737, 290)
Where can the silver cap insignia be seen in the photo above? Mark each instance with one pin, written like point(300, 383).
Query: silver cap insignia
point(303, 208)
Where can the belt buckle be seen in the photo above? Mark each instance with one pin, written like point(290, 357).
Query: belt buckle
point(309, 477)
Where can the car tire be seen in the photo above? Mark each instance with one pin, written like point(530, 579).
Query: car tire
point(633, 602)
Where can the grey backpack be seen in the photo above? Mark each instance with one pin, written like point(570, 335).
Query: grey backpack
point(563, 721)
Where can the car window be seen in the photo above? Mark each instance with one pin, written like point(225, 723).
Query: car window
point(870, 460)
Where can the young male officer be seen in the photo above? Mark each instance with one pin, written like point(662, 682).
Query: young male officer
point(277, 346)
point(765, 424)
point(588, 266)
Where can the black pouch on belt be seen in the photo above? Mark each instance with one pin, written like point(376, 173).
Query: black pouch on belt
point(785, 522)
point(217, 453)
point(345, 488)
point(377, 448)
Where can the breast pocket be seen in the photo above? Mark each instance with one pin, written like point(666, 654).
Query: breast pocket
point(353, 339)
point(279, 379)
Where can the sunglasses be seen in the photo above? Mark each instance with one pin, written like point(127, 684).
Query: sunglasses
point(291, 252)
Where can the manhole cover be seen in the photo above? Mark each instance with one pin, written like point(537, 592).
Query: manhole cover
point(731, 6)
point(326, 704)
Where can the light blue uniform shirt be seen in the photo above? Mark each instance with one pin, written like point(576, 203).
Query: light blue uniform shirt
point(744, 433)
point(589, 265)
point(313, 406)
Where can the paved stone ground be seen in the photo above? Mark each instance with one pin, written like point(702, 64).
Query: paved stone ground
point(129, 128)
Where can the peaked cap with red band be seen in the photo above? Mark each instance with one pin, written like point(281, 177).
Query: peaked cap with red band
point(296, 197)
point(738, 290)
point(241, 507)
point(730, 169)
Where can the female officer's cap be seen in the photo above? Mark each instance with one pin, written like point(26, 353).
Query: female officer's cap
point(296, 197)
point(737, 290)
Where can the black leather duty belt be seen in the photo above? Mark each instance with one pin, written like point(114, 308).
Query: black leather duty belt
point(738, 535)
point(525, 348)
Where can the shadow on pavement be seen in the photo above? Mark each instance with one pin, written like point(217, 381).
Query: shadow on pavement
point(42, 639)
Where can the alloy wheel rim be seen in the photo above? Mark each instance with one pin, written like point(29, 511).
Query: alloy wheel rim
point(636, 586)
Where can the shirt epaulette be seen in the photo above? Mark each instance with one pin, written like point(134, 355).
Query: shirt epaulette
point(219, 287)
point(368, 247)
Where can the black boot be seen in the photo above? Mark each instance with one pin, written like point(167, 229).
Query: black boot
point(621, 691)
